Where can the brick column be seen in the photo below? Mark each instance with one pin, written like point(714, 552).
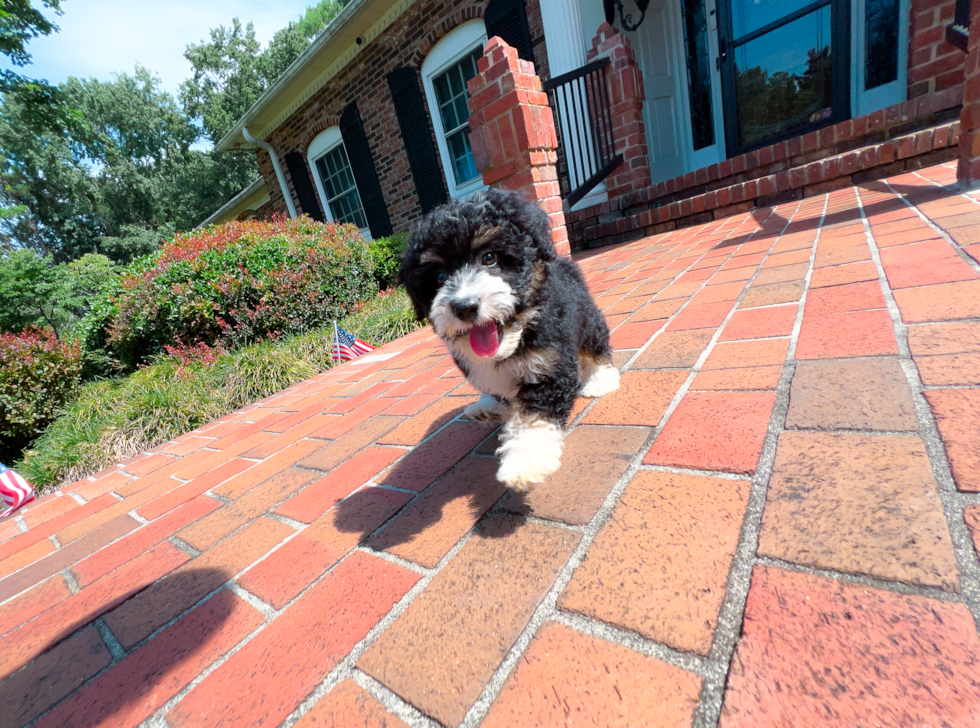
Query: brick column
point(968, 168)
point(512, 132)
point(626, 101)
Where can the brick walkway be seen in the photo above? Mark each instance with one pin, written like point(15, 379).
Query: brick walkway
point(769, 524)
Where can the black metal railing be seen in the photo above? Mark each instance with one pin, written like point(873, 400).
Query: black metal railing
point(958, 32)
point(586, 147)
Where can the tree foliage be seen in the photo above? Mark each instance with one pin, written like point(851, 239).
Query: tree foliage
point(232, 70)
point(21, 22)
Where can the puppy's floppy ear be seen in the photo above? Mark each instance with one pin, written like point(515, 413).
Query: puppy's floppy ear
point(409, 277)
point(526, 217)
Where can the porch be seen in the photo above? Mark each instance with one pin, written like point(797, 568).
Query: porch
point(775, 521)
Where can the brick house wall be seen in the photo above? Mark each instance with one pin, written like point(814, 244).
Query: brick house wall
point(364, 80)
point(934, 64)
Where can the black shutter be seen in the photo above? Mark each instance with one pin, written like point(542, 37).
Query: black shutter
point(414, 125)
point(508, 19)
point(303, 186)
point(362, 165)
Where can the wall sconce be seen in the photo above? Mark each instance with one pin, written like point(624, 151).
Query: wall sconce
point(626, 20)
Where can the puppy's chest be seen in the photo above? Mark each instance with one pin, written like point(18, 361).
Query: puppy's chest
point(505, 377)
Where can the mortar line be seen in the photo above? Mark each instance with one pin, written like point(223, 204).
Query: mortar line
point(963, 549)
point(729, 623)
point(874, 582)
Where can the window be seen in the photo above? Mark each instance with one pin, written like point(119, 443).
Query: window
point(335, 180)
point(445, 71)
point(454, 111)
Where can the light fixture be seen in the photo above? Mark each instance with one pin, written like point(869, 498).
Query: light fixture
point(625, 19)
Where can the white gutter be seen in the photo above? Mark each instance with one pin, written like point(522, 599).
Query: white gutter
point(275, 165)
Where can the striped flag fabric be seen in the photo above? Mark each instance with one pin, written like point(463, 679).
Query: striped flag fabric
point(346, 346)
point(15, 490)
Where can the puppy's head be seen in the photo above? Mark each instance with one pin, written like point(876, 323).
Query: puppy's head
point(471, 268)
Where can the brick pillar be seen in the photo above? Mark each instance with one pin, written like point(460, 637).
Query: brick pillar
point(626, 101)
point(968, 168)
point(512, 132)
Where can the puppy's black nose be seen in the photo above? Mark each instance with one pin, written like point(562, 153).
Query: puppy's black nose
point(466, 309)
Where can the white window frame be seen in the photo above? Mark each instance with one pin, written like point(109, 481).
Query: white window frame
point(449, 51)
point(324, 143)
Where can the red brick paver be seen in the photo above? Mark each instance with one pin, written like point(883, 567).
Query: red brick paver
point(774, 522)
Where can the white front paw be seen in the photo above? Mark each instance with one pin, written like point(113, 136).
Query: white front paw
point(486, 409)
point(529, 455)
point(604, 379)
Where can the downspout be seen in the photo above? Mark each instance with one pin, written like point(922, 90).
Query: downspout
point(275, 165)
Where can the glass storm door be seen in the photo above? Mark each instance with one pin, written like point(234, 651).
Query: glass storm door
point(784, 66)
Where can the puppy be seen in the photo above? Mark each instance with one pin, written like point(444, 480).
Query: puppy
point(517, 319)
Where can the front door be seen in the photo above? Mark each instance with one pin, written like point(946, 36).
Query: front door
point(784, 66)
point(675, 47)
point(659, 56)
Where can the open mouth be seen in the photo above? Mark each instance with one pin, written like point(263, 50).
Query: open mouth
point(485, 338)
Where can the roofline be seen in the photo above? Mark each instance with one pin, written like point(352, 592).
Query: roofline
point(227, 141)
point(241, 196)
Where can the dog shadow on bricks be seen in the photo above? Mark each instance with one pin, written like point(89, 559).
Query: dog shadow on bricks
point(461, 493)
point(50, 669)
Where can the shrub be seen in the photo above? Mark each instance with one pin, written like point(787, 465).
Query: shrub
point(190, 386)
point(38, 375)
point(238, 282)
point(384, 318)
point(387, 256)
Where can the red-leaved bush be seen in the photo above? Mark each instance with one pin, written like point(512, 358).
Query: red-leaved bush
point(236, 283)
point(38, 375)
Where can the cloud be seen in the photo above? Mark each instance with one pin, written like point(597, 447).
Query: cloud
point(99, 37)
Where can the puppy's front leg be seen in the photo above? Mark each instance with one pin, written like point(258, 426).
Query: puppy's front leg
point(531, 440)
point(530, 449)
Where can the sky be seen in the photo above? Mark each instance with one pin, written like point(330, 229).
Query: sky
point(99, 37)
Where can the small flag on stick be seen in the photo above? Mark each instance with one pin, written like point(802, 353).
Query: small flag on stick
point(16, 491)
point(346, 346)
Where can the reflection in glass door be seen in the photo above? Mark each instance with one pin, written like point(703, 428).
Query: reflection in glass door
point(784, 67)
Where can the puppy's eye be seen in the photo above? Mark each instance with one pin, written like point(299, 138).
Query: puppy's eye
point(441, 277)
point(489, 259)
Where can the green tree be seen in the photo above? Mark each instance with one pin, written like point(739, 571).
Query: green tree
point(118, 183)
point(231, 70)
point(36, 292)
point(21, 22)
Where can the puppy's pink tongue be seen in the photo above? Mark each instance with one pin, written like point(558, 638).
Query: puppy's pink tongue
point(483, 339)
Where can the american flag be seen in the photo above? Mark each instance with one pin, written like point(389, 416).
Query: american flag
point(346, 346)
point(15, 490)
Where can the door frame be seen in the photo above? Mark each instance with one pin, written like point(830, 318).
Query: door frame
point(840, 25)
point(895, 92)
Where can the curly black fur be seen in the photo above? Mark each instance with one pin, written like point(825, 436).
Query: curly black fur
point(552, 306)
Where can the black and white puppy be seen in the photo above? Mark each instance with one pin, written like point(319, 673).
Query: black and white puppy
point(517, 319)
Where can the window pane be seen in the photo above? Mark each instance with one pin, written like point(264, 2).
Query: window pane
point(749, 15)
point(337, 179)
point(453, 98)
point(881, 42)
point(698, 73)
point(783, 79)
point(464, 168)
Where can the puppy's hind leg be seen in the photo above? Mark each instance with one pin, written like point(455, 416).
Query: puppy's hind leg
point(530, 450)
point(486, 409)
point(598, 376)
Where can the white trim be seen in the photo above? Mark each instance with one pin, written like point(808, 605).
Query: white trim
point(335, 34)
point(867, 102)
point(453, 47)
point(219, 214)
point(323, 143)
